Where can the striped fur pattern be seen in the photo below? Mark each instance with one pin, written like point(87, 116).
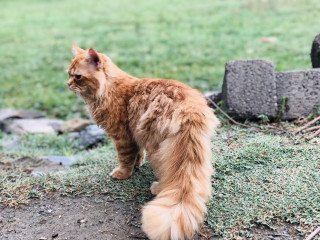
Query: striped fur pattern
point(167, 119)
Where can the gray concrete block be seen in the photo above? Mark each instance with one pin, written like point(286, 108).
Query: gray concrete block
point(302, 89)
point(315, 52)
point(249, 88)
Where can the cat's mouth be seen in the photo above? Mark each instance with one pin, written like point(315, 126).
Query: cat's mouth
point(74, 89)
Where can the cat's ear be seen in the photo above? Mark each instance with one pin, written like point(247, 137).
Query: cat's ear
point(93, 58)
point(76, 50)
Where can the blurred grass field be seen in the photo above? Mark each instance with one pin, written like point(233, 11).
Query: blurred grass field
point(186, 40)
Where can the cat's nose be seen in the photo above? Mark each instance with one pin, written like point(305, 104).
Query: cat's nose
point(69, 84)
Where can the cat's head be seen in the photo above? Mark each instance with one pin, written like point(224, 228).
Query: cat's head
point(86, 73)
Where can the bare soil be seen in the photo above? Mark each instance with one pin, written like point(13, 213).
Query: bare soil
point(56, 217)
point(28, 165)
point(63, 218)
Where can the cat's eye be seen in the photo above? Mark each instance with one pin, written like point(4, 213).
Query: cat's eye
point(77, 77)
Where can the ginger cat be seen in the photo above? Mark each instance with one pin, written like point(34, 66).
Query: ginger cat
point(168, 119)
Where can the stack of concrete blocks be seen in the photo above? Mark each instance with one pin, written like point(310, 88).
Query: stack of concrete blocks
point(252, 88)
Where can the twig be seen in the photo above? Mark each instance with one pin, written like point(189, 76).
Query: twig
point(314, 233)
point(313, 135)
point(307, 125)
point(278, 129)
point(299, 138)
point(203, 235)
point(311, 129)
point(241, 124)
point(225, 114)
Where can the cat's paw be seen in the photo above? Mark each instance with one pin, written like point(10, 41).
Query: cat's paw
point(155, 188)
point(139, 159)
point(119, 173)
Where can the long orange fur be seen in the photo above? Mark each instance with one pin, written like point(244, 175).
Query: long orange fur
point(168, 119)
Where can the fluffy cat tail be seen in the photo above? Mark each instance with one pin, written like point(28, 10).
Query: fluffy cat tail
point(184, 186)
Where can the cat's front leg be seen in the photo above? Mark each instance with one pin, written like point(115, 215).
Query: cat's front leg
point(127, 156)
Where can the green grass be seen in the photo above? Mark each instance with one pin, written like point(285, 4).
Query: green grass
point(264, 178)
point(186, 40)
point(260, 179)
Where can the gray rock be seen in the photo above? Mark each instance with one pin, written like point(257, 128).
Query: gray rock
point(12, 143)
point(91, 135)
point(249, 88)
point(302, 89)
point(14, 113)
point(34, 126)
point(315, 52)
point(73, 135)
point(62, 160)
point(74, 125)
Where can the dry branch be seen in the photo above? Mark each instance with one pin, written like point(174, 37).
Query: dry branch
point(307, 125)
point(311, 129)
point(307, 129)
point(313, 135)
point(314, 233)
point(259, 129)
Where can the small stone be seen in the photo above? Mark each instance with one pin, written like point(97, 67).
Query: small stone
point(62, 160)
point(43, 221)
point(74, 125)
point(34, 126)
point(82, 221)
point(14, 113)
point(12, 143)
point(55, 235)
point(91, 135)
point(73, 135)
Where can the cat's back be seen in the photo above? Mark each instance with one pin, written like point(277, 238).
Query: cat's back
point(166, 90)
point(159, 106)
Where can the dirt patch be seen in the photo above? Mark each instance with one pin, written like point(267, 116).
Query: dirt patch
point(282, 231)
point(28, 165)
point(82, 218)
point(97, 217)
